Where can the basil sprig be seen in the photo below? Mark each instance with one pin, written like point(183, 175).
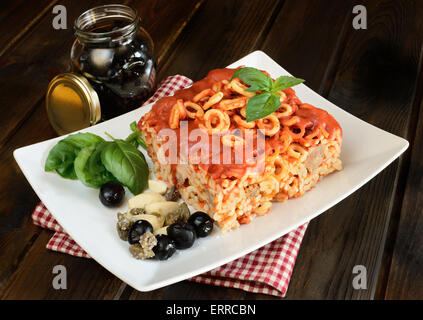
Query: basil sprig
point(135, 137)
point(268, 101)
point(94, 161)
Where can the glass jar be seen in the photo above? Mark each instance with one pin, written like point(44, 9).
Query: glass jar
point(116, 55)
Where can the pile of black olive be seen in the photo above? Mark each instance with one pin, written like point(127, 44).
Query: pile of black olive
point(180, 235)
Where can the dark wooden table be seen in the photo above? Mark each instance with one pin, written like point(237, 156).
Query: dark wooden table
point(375, 74)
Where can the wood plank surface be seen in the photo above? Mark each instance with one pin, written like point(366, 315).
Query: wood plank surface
point(405, 275)
point(18, 17)
point(221, 33)
point(376, 81)
point(18, 200)
point(44, 52)
point(374, 74)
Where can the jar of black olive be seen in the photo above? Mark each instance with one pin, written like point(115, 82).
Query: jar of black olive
point(115, 54)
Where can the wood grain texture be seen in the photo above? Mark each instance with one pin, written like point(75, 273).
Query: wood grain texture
point(18, 17)
point(221, 33)
point(307, 37)
point(371, 73)
point(376, 81)
point(165, 21)
point(44, 52)
point(18, 234)
point(405, 280)
point(33, 280)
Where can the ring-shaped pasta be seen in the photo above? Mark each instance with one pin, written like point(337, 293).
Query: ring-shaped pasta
point(216, 121)
point(315, 134)
point(272, 153)
point(238, 87)
point(291, 121)
point(243, 123)
point(174, 117)
point(285, 139)
point(263, 208)
point(312, 138)
point(243, 112)
point(283, 96)
point(217, 86)
point(280, 197)
point(181, 107)
point(284, 110)
point(280, 168)
point(198, 111)
point(293, 187)
point(298, 152)
point(229, 184)
point(270, 185)
point(232, 140)
point(270, 124)
point(203, 94)
point(213, 100)
point(230, 104)
point(296, 132)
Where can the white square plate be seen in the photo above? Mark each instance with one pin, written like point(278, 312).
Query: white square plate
point(366, 150)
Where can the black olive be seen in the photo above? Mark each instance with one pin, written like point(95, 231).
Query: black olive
point(138, 229)
point(111, 194)
point(165, 247)
point(202, 223)
point(183, 234)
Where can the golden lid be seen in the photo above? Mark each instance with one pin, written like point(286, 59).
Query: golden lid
point(72, 103)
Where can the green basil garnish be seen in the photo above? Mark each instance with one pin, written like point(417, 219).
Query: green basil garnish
point(135, 137)
point(262, 105)
point(89, 168)
point(94, 161)
point(127, 164)
point(268, 101)
point(62, 156)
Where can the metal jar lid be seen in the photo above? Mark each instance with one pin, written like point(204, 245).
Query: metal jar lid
point(72, 103)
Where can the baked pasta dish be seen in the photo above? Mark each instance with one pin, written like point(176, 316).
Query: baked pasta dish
point(199, 138)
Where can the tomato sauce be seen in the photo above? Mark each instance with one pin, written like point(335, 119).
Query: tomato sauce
point(158, 118)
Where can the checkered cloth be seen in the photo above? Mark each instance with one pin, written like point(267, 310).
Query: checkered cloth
point(266, 270)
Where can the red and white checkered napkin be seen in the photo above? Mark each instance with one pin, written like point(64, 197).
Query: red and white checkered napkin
point(266, 270)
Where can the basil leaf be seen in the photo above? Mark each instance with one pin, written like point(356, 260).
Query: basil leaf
point(262, 105)
point(62, 156)
point(136, 140)
point(60, 159)
point(255, 78)
point(89, 168)
point(127, 164)
point(133, 126)
point(83, 139)
point(141, 142)
point(285, 82)
point(135, 137)
point(253, 88)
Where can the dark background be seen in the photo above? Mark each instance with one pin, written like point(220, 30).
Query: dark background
point(374, 74)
